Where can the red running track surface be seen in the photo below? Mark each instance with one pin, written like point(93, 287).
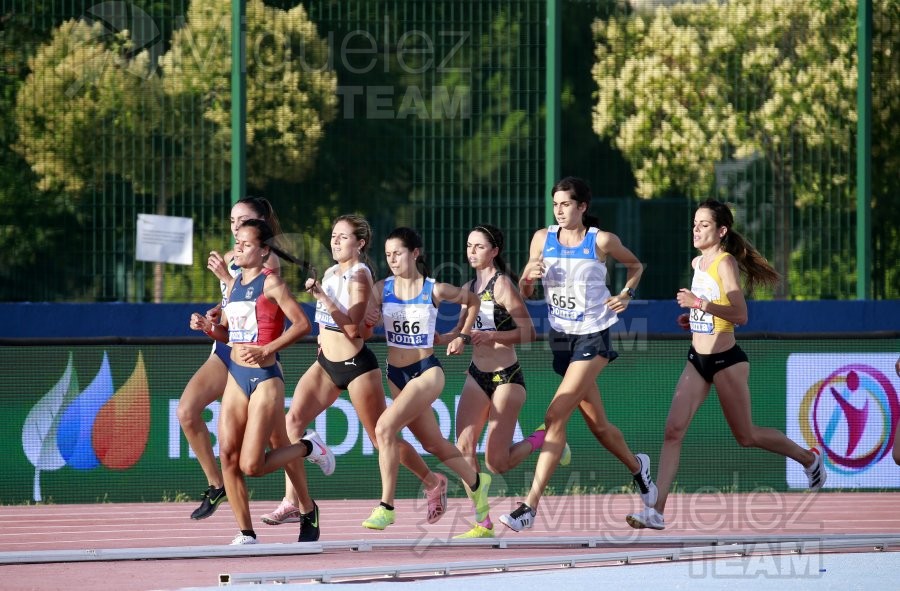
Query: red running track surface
point(152, 525)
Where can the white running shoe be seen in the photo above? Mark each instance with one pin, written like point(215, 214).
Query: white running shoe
point(242, 540)
point(321, 454)
point(644, 483)
point(521, 518)
point(649, 518)
point(816, 472)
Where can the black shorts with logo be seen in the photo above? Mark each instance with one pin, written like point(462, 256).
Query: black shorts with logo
point(489, 380)
point(578, 347)
point(344, 372)
point(709, 365)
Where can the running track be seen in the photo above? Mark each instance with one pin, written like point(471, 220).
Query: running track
point(154, 525)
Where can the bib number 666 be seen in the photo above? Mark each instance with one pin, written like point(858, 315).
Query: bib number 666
point(406, 327)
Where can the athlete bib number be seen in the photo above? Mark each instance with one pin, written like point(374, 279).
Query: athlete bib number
point(566, 302)
point(401, 331)
point(323, 316)
point(701, 322)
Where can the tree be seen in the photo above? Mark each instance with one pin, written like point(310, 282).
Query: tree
point(96, 108)
point(692, 85)
point(289, 97)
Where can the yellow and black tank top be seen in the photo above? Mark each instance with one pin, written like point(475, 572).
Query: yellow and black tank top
point(707, 285)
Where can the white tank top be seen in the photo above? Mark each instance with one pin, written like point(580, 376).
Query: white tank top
point(409, 324)
point(334, 285)
point(575, 285)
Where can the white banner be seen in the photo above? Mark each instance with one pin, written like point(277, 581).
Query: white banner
point(164, 239)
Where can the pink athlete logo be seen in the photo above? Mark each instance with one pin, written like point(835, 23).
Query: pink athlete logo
point(851, 415)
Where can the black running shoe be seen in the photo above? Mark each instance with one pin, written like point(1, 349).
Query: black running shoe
point(209, 503)
point(309, 525)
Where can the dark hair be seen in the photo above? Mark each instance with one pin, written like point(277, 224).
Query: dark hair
point(495, 237)
point(362, 231)
point(264, 211)
point(581, 192)
point(267, 237)
point(750, 261)
point(411, 240)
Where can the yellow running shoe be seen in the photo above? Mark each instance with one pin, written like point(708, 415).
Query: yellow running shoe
point(380, 518)
point(477, 531)
point(566, 458)
point(480, 497)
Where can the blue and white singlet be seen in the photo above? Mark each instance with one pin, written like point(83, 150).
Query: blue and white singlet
point(409, 324)
point(575, 285)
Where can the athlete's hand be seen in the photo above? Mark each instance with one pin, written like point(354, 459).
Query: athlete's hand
point(253, 354)
point(617, 303)
point(686, 298)
point(684, 321)
point(534, 270)
point(216, 264)
point(214, 314)
point(198, 322)
point(313, 288)
point(373, 317)
point(456, 346)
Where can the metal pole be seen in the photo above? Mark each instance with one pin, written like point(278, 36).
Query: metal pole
point(864, 151)
point(554, 109)
point(238, 100)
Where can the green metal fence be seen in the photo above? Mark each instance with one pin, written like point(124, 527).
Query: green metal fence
point(435, 119)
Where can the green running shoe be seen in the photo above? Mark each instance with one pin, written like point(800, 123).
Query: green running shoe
point(380, 518)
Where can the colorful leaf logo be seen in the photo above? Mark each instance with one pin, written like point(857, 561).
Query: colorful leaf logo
point(122, 426)
point(39, 433)
point(77, 423)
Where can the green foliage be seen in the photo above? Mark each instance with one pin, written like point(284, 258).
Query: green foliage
point(86, 81)
point(96, 110)
point(695, 84)
point(692, 86)
point(288, 101)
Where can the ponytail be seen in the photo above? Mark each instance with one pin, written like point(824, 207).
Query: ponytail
point(267, 236)
point(754, 265)
point(422, 266)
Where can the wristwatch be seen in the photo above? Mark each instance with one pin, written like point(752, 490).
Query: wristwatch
point(466, 338)
point(629, 292)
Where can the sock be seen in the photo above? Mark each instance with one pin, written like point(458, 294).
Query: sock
point(386, 506)
point(249, 532)
point(477, 482)
point(308, 446)
point(486, 523)
point(536, 440)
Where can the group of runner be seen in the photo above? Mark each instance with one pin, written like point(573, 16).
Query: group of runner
point(569, 259)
